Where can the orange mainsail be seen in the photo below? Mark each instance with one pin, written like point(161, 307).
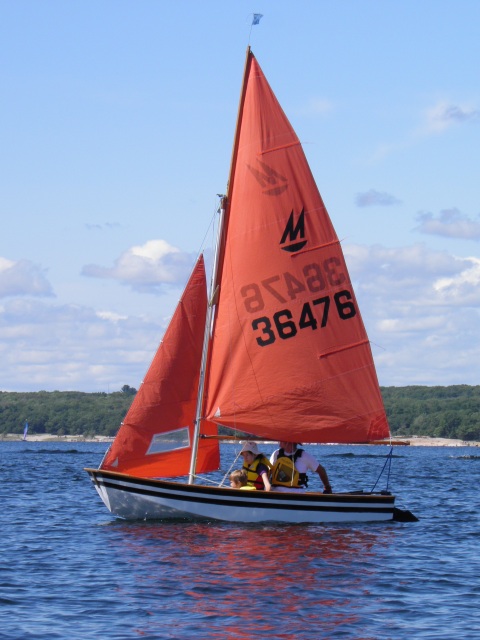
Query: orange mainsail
point(155, 439)
point(290, 358)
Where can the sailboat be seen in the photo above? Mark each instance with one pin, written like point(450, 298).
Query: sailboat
point(276, 349)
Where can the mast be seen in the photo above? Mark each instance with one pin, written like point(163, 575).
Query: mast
point(217, 268)
point(205, 349)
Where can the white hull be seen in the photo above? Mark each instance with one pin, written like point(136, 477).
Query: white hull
point(134, 498)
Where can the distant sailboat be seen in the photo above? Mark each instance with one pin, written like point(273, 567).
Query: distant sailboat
point(25, 430)
point(280, 351)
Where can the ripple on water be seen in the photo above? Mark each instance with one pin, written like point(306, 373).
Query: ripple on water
point(70, 570)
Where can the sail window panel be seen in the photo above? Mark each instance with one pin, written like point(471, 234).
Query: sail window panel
point(169, 441)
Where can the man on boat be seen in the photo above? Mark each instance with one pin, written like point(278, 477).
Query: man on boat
point(303, 462)
point(256, 466)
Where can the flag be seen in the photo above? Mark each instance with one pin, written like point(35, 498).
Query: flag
point(256, 18)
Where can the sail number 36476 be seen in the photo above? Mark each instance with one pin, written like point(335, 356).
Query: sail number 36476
point(283, 325)
point(316, 278)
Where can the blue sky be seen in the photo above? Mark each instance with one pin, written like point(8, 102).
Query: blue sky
point(117, 121)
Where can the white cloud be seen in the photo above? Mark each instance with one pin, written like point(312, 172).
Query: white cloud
point(450, 223)
point(23, 278)
point(416, 324)
point(399, 268)
point(434, 120)
point(444, 115)
point(421, 309)
point(110, 315)
point(463, 288)
point(49, 347)
point(375, 198)
point(100, 227)
point(315, 107)
point(146, 267)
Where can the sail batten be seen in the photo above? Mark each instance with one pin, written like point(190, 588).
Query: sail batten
point(320, 246)
point(343, 348)
point(279, 148)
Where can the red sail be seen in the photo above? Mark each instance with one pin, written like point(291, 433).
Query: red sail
point(290, 358)
point(156, 436)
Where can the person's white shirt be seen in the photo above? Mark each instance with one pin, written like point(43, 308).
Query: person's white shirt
point(306, 462)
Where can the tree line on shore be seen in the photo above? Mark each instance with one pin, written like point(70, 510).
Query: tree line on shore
point(440, 412)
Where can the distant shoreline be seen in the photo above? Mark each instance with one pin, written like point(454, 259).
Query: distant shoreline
point(47, 437)
point(416, 441)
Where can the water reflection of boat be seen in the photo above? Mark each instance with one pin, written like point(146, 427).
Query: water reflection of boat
point(239, 580)
point(280, 352)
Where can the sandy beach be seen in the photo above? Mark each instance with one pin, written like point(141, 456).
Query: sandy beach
point(425, 441)
point(46, 437)
point(416, 441)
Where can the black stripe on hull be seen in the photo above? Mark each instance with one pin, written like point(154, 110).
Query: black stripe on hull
point(352, 503)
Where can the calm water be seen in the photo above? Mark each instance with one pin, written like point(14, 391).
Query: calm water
point(69, 570)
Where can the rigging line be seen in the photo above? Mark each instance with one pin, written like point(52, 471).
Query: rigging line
point(205, 479)
point(106, 453)
point(389, 462)
point(389, 465)
point(207, 336)
point(378, 345)
point(229, 470)
point(210, 228)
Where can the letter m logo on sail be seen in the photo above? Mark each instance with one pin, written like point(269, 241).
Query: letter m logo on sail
point(272, 182)
point(292, 232)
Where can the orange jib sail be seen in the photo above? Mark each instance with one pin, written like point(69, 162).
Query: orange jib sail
point(290, 357)
point(155, 439)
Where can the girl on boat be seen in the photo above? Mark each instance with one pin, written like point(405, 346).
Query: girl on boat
point(257, 467)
